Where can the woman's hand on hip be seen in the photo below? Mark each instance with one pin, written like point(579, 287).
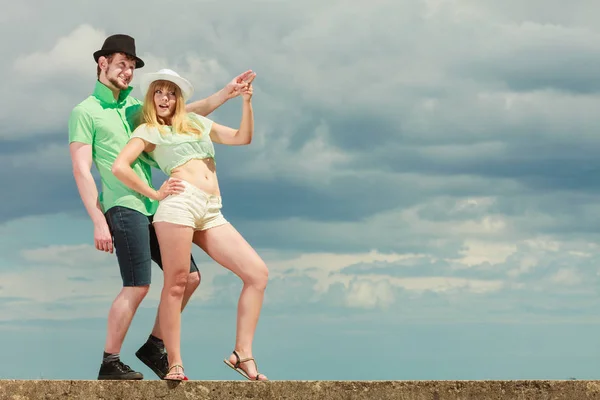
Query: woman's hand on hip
point(169, 187)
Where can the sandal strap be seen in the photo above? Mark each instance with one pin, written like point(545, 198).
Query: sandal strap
point(241, 360)
point(176, 366)
point(258, 374)
point(237, 363)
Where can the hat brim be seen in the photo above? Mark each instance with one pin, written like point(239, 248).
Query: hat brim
point(186, 87)
point(105, 52)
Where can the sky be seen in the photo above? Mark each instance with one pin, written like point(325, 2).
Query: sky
point(422, 184)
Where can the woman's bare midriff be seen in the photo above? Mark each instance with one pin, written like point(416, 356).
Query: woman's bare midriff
point(200, 173)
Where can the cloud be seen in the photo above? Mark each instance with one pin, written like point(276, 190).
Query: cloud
point(70, 55)
point(417, 167)
point(63, 74)
point(567, 277)
point(76, 281)
point(479, 252)
point(69, 256)
point(415, 111)
point(512, 277)
point(398, 156)
point(369, 295)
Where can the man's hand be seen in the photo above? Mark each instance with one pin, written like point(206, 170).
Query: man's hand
point(103, 238)
point(238, 85)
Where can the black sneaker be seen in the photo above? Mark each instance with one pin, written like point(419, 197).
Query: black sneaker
point(117, 370)
point(154, 358)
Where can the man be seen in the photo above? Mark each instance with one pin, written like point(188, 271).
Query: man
point(99, 127)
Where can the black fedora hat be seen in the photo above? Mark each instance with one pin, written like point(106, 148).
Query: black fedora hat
point(119, 44)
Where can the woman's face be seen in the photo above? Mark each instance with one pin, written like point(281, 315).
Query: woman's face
point(164, 102)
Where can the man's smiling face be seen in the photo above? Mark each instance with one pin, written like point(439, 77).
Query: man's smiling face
point(119, 70)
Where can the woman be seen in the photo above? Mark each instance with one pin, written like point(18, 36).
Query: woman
point(182, 145)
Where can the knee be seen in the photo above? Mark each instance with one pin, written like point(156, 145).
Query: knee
point(177, 283)
point(258, 275)
point(135, 294)
point(193, 280)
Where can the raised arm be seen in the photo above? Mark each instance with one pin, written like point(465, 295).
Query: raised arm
point(233, 89)
point(81, 158)
point(225, 135)
point(121, 168)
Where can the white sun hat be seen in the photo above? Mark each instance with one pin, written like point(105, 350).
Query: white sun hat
point(166, 74)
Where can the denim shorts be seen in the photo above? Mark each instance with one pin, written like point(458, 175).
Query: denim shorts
point(136, 245)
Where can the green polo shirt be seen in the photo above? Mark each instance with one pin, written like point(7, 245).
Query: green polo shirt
point(106, 124)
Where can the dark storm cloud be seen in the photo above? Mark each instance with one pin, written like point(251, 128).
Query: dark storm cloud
point(345, 199)
point(550, 58)
point(411, 115)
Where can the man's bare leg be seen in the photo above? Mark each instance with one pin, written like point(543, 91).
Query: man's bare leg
point(120, 316)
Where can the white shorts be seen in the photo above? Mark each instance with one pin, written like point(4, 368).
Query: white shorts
point(193, 207)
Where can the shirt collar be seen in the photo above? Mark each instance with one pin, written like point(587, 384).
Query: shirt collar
point(104, 94)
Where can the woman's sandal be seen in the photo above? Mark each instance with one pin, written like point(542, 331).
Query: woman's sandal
point(175, 376)
point(241, 371)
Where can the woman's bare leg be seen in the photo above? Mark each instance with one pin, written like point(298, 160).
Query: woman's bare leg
point(226, 246)
point(175, 248)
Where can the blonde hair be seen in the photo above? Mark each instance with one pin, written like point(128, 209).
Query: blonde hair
point(180, 122)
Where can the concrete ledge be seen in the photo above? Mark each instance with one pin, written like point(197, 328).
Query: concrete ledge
point(299, 390)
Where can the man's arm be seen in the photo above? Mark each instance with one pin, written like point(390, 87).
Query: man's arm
point(206, 106)
point(81, 157)
point(233, 89)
